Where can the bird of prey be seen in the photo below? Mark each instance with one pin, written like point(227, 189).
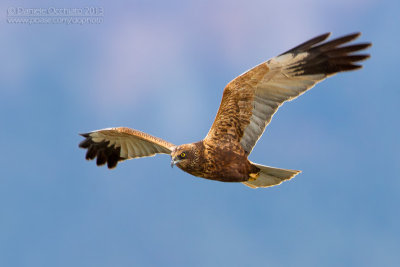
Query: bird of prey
point(248, 103)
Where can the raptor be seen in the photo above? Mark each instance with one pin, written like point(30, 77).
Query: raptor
point(248, 103)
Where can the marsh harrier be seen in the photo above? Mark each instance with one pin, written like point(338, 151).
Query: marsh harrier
point(248, 104)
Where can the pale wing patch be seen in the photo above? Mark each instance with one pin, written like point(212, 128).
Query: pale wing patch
point(276, 87)
point(132, 146)
point(287, 59)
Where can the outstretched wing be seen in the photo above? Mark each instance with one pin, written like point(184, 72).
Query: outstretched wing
point(250, 100)
point(117, 144)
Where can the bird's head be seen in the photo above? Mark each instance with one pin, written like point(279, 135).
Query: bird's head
point(182, 155)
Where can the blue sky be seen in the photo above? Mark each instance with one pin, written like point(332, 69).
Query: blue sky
point(160, 67)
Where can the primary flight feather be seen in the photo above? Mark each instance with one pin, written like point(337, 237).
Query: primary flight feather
point(247, 106)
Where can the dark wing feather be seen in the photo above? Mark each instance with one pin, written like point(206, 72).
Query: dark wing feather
point(250, 100)
point(117, 144)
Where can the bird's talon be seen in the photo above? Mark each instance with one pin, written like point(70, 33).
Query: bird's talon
point(253, 176)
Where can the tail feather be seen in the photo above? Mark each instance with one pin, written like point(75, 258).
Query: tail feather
point(270, 176)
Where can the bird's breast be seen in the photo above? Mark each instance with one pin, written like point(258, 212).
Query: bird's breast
point(220, 163)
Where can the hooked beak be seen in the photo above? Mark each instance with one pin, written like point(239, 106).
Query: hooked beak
point(174, 161)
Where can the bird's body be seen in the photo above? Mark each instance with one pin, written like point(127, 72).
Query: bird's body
point(210, 161)
point(247, 106)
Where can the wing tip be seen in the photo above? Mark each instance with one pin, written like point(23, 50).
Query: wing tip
point(85, 143)
point(101, 150)
point(84, 134)
point(326, 35)
point(334, 56)
point(355, 35)
point(320, 38)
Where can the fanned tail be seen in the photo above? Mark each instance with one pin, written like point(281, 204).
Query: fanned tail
point(270, 176)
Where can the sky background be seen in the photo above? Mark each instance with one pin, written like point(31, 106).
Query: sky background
point(160, 67)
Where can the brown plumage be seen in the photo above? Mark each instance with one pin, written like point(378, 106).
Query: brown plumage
point(248, 104)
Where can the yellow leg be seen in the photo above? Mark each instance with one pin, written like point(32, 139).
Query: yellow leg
point(253, 176)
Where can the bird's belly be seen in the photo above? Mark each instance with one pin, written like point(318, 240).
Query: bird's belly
point(231, 172)
point(221, 164)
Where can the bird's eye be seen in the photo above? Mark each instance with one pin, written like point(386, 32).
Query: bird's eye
point(182, 155)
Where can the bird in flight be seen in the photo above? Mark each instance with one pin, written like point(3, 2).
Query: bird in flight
point(248, 103)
